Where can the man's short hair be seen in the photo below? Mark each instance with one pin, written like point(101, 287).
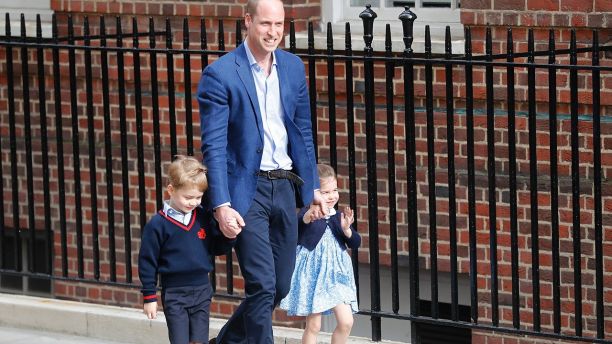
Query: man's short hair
point(251, 6)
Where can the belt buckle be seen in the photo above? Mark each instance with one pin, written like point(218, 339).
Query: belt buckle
point(269, 175)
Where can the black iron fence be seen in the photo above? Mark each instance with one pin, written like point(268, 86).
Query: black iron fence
point(493, 166)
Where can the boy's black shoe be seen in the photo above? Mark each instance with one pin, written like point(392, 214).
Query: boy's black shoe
point(213, 341)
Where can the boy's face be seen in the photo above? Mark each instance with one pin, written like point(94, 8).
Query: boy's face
point(184, 199)
point(329, 191)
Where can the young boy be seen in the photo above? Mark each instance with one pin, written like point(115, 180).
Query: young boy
point(177, 244)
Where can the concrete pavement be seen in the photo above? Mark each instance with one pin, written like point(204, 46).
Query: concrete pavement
point(11, 335)
point(27, 319)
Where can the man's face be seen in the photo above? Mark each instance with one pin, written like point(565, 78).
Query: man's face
point(265, 27)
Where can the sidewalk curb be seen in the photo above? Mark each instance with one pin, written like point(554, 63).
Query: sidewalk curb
point(119, 324)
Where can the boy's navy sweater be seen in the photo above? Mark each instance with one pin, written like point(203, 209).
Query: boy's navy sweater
point(310, 234)
point(180, 254)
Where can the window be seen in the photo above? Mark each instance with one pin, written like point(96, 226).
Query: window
point(436, 13)
point(27, 285)
point(427, 11)
point(29, 9)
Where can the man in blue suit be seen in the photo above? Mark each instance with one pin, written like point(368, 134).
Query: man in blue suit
point(257, 145)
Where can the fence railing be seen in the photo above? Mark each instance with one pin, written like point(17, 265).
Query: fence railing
point(493, 166)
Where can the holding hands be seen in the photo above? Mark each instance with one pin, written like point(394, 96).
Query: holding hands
point(318, 209)
point(230, 221)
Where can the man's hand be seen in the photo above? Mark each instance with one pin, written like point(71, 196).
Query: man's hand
point(317, 208)
point(150, 310)
point(230, 222)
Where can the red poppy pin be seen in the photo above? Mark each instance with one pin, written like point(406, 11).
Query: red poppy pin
point(202, 233)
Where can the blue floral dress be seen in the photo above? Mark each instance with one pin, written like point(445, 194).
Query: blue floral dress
point(322, 279)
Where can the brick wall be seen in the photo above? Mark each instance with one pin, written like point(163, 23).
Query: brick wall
point(476, 14)
point(542, 16)
point(301, 11)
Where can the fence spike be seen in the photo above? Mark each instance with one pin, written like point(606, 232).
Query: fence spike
point(7, 26)
point(368, 16)
point(408, 17)
point(238, 32)
point(330, 39)
point(348, 44)
point(427, 42)
point(221, 36)
point(292, 36)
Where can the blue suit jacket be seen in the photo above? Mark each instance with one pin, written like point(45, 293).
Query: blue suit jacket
point(232, 130)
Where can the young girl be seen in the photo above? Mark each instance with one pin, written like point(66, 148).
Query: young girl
point(323, 278)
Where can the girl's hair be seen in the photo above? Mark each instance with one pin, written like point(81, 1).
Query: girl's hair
point(325, 171)
point(187, 171)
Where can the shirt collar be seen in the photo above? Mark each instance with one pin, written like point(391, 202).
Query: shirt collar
point(251, 58)
point(175, 214)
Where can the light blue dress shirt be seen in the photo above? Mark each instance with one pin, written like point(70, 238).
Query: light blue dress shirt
point(177, 215)
point(275, 155)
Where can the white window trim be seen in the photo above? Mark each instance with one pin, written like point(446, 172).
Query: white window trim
point(338, 14)
point(30, 9)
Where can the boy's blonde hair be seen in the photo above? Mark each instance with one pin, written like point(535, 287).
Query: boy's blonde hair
point(187, 171)
point(325, 171)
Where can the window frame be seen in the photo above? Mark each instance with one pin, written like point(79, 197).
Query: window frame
point(448, 15)
point(338, 13)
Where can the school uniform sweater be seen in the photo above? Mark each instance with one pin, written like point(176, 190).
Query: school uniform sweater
point(181, 254)
point(310, 234)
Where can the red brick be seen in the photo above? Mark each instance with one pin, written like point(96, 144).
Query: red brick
point(603, 6)
point(57, 5)
point(140, 7)
point(76, 6)
point(167, 10)
point(576, 6)
point(180, 9)
point(222, 10)
point(544, 19)
point(154, 9)
point(493, 18)
point(543, 5)
point(127, 8)
point(595, 20)
point(512, 5)
point(528, 19)
point(561, 20)
point(476, 4)
point(578, 20)
point(196, 10)
point(114, 7)
point(88, 6)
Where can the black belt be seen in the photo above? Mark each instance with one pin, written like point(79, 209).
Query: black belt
point(282, 174)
